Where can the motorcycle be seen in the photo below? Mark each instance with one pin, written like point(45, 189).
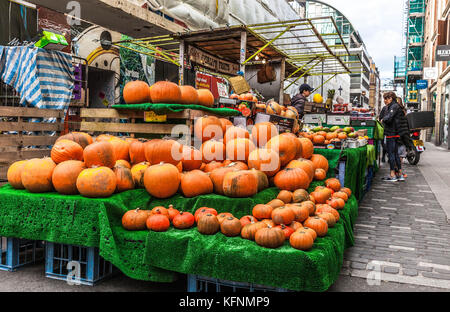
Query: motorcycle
point(416, 147)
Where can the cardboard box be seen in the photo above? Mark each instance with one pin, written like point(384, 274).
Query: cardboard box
point(362, 132)
point(239, 84)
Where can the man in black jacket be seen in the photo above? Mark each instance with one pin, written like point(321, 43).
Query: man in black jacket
point(299, 100)
point(391, 122)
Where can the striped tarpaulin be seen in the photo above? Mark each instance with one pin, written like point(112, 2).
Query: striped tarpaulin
point(43, 78)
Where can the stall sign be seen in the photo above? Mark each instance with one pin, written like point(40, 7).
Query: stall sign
point(422, 84)
point(151, 116)
point(203, 81)
point(212, 62)
point(442, 53)
point(222, 89)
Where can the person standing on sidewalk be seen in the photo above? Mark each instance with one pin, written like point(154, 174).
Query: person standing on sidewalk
point(383, 143)
point(391, 121)
point(406, 145)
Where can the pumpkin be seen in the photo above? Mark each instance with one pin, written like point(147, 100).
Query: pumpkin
point(268, 222)
point(103, 137)
point(162, 181)
point(331, 135)
point(311, 207)
point(14, 174)
point(235, 132)
point(304, 164)
point(222, 216)
point(191, 158)
point(195, 183)
point(283, 215)
point(270, 237)
point(321, 196)
point(265, 160)
point(292, 179)
point(342, 136)
point(64, 150)
point(189, 95)
point(240, 184)
point(298, 145)
point(342, 195)
point(301, 240)
point(318, 139)
point(183, 220)
point(300, 195)
point(124, 177)
point(165, 92)
point(136, 92)
point(205, 98)
point(320, 174)
point(285, 196)
point(309, 231)
point(207, 128)
point(291, 112)
point(263, 132)
point(263, 181)
point(336, 203)
point(275, 203)
point(286, 230)
point(247, 219)
point(208, 224)
point(217, 175)
point(320, 161)
point(285, 146)
point(261, 211)
point(172, 212)
point(273, 108)
point(225, 124)
point(212, 150)
point(97, 182)
point(295, 225)
point(333, 184)
point(212, 166)
point(249, 230)
point(122, 163)
point(83, 139)
point(137, 151)
point(329, 218)
point(320, 226)
point(158, 223)
point(239, 149)
point(347, 191)
point(159, 210)
point(231, 227)
point(301, 212)
point(202, 211)
point(321, 208)
point(36, 175)
point(135, 220)
point(137, 171)
point(100, 154)
point(167, 151)
point(64, 177)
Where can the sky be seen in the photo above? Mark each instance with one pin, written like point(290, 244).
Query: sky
point(380, 25)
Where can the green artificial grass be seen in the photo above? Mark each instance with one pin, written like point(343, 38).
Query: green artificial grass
point(163, 109)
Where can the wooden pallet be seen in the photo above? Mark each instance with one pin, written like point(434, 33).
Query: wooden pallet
point(107, 120)
point(31, 139)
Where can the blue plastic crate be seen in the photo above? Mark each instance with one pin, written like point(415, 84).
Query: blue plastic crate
point(196, 283)
point(76, 264)
point(17, 252)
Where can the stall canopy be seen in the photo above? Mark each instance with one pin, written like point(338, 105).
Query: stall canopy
point(308, 47)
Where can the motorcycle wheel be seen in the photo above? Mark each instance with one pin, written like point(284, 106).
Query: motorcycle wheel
point(413, 157)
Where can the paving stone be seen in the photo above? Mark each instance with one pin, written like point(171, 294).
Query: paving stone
point(391, 270)
point(410, 272)
point(358, 265)
point(436, 275)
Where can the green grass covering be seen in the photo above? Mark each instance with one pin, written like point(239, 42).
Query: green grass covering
point(163, 109)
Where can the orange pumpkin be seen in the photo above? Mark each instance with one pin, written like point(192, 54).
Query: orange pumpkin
point(235, 133)
point(135, 220)
point(137, 151)
point(225, 124)
point(304, 164)
point(240, 184)
point(14, 174)
point(158, 223)
point(307, 148)
point(239, 149)
point(82, 138)
point(342, 136)
point(217, 175)
point(319, 225)
point(195, 183)
point(65, 174)
point(213, 150)
point(283, 215)
point(342, 195)
point(167, 151)
point(165, 92)
point(321, 208)
point(136, 92)
point(292, 179)
point(162, 180)
point(301, 240)
point(298, 145)
point(320, 174)
point(347, 191)
point(37, 175)
point(318, 139)
point(311, 206)
point(301, 212)
point(285, 146)
point(333, 184)
point(207, 128)
point(124, 178)
point(66, 150)
point(285, 196)
point(263, 181)
point(265, 160)
point(122, 163)
point(97, 182)
point(205, 98)
point(212, 166)
point(336, 203)
point(191, 158)
point(103, 137)
point(189, 95)
point(137, 171)
point(320, 161)
point(263, 132)
point(99, 154)
point(321, 196)
point(121, 148)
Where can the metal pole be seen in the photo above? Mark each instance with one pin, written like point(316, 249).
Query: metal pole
point(282, 76)
point(181, 68)
point(321, 87)
point(243, 51)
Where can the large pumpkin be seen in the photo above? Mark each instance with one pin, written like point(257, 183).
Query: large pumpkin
point(125, 179)
point(307, 148)
point(292, 179)
point(137, 151)
point(14, 174)
point(165, 92)
point(213, 166)
point(205, 98)
point(195, 183)
point(239, 149)
point(213, 150)
point(121, 148)
point(304, 164)
point(136, 92)
point(189, 95)
point(207, 128)
point(263, 181)
point(37, 175)
point(298, 144)
point(65, 175)
point(320, 161)
point(262, 133)
point(265, 160)
point(240, 184)
point(273, 108)
point(162, 180)
point(235, 133)
point(225, 124)
point(99, 154)
point(285, 146)
point(191, 158)
point(217, 176)
point(137, 171)
point(81, 138)
point(167, 151)
point(66, 150)
point(97, 182)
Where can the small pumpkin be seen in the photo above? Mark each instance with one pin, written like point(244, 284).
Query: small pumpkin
point(121, 148)
point(122, 163)
point(208, 224)
point(82, 138)
point(310, 232)
point(295, 225)
point(285, 196)
point(205, 98)
point(262, 180)
point(158, 223)
point(136, 92)
point(261, 211)
point(333, 184)
point(285, 146)
point(247, 219)
point(183, 220)
point(160, 210)
point(172, 212)
point(342, 195)
point(135, 220)
point(317, 224)
point(230, 227)
point(292, 179)
point(222, 216)
point(137, 171)
point(307, 148)
point(210, 167)
point(320, 174)
point(304, 164)
point(269, 222)
point(288, 231)
point(347, 191)
point(165, 92)
point(310, 206)
point(336, 203)
point(300, 195)
point(283, 215)
point(270, 237)
point(207, 128)
point(326, 208)
point(301, 240)
point(301, 212)
point(329, 217)
point(320, 161)
point(189, 95)
point(276, 203)
point(249, 230)
point(191, 158)
point(136, 151)
point(204, 210)
point(240, 184)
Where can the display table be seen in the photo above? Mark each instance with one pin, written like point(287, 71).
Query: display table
point(157, 257)
point(162, 109)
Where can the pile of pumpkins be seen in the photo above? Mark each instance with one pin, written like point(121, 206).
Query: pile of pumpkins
point(297, 217)
point(139, 92)
point(273, 108)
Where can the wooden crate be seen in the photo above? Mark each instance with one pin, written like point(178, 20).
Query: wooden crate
point(20, 138)
point(106, 120)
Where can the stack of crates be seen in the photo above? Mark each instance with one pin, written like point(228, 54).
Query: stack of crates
point(77, 265)
point(17, 252)
point(198, 283)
